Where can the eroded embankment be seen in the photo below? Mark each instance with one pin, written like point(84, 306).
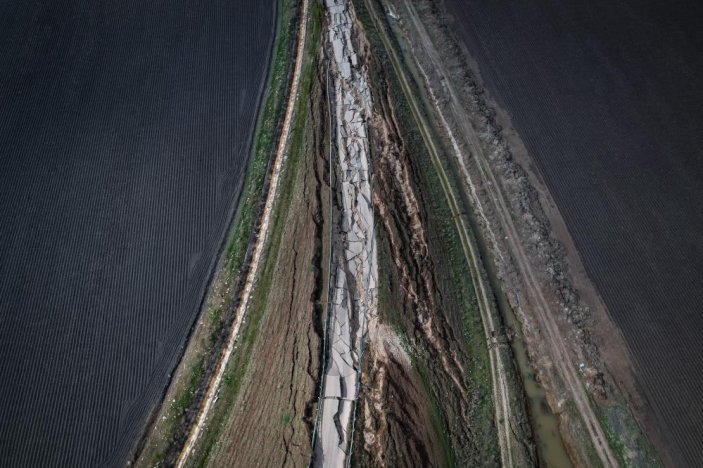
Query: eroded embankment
point(429, 382)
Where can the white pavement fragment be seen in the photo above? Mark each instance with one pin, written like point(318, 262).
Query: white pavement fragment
point(354, 298)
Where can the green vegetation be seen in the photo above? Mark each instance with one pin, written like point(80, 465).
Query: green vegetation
point(185, 399)
point(185, 396)
point(286, 419)
point(438, 421)
point(238, 364)
point(243, 225)
point(215, 317)
point(569, 408)
point(622, 430)
point(178, 407)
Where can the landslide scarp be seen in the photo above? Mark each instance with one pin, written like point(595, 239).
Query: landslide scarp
point(425, 390)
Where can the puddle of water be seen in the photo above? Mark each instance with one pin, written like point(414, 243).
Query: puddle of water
point(545, 427)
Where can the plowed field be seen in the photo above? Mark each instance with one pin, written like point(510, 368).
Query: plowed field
point(607, 99)
point(124, 135)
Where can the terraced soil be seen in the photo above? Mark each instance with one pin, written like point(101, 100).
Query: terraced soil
point(124, 137)
point(606, 97)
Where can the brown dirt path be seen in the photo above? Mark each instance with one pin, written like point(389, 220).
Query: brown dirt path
point(555, 339)
point(211, 392)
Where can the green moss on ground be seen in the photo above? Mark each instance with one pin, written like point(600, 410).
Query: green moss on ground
point(625, 437)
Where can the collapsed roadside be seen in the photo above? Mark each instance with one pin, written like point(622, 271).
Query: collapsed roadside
point(354, 264)
point(432, 389)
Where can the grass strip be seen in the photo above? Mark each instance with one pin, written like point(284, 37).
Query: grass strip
point(213, 321)
point(239, 363)
point(625, 437)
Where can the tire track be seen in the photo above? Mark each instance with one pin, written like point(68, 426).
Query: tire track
point(259, 242)
point(555, 341)
point(499, 384)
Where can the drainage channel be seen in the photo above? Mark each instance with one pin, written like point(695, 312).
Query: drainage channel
point(545, 426)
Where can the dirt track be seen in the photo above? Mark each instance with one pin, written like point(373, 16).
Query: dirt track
point(555, 339)
point(279, 157)
point(500, 388)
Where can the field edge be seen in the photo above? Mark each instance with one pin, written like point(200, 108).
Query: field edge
point(164, 430)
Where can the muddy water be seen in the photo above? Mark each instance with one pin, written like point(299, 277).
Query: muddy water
point(545, 427)
point(544, 423)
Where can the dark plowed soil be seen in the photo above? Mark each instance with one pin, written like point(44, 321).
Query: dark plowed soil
point(124, 134)
point(607, 98)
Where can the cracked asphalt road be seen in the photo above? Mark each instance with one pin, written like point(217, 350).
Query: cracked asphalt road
point(354, 258)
